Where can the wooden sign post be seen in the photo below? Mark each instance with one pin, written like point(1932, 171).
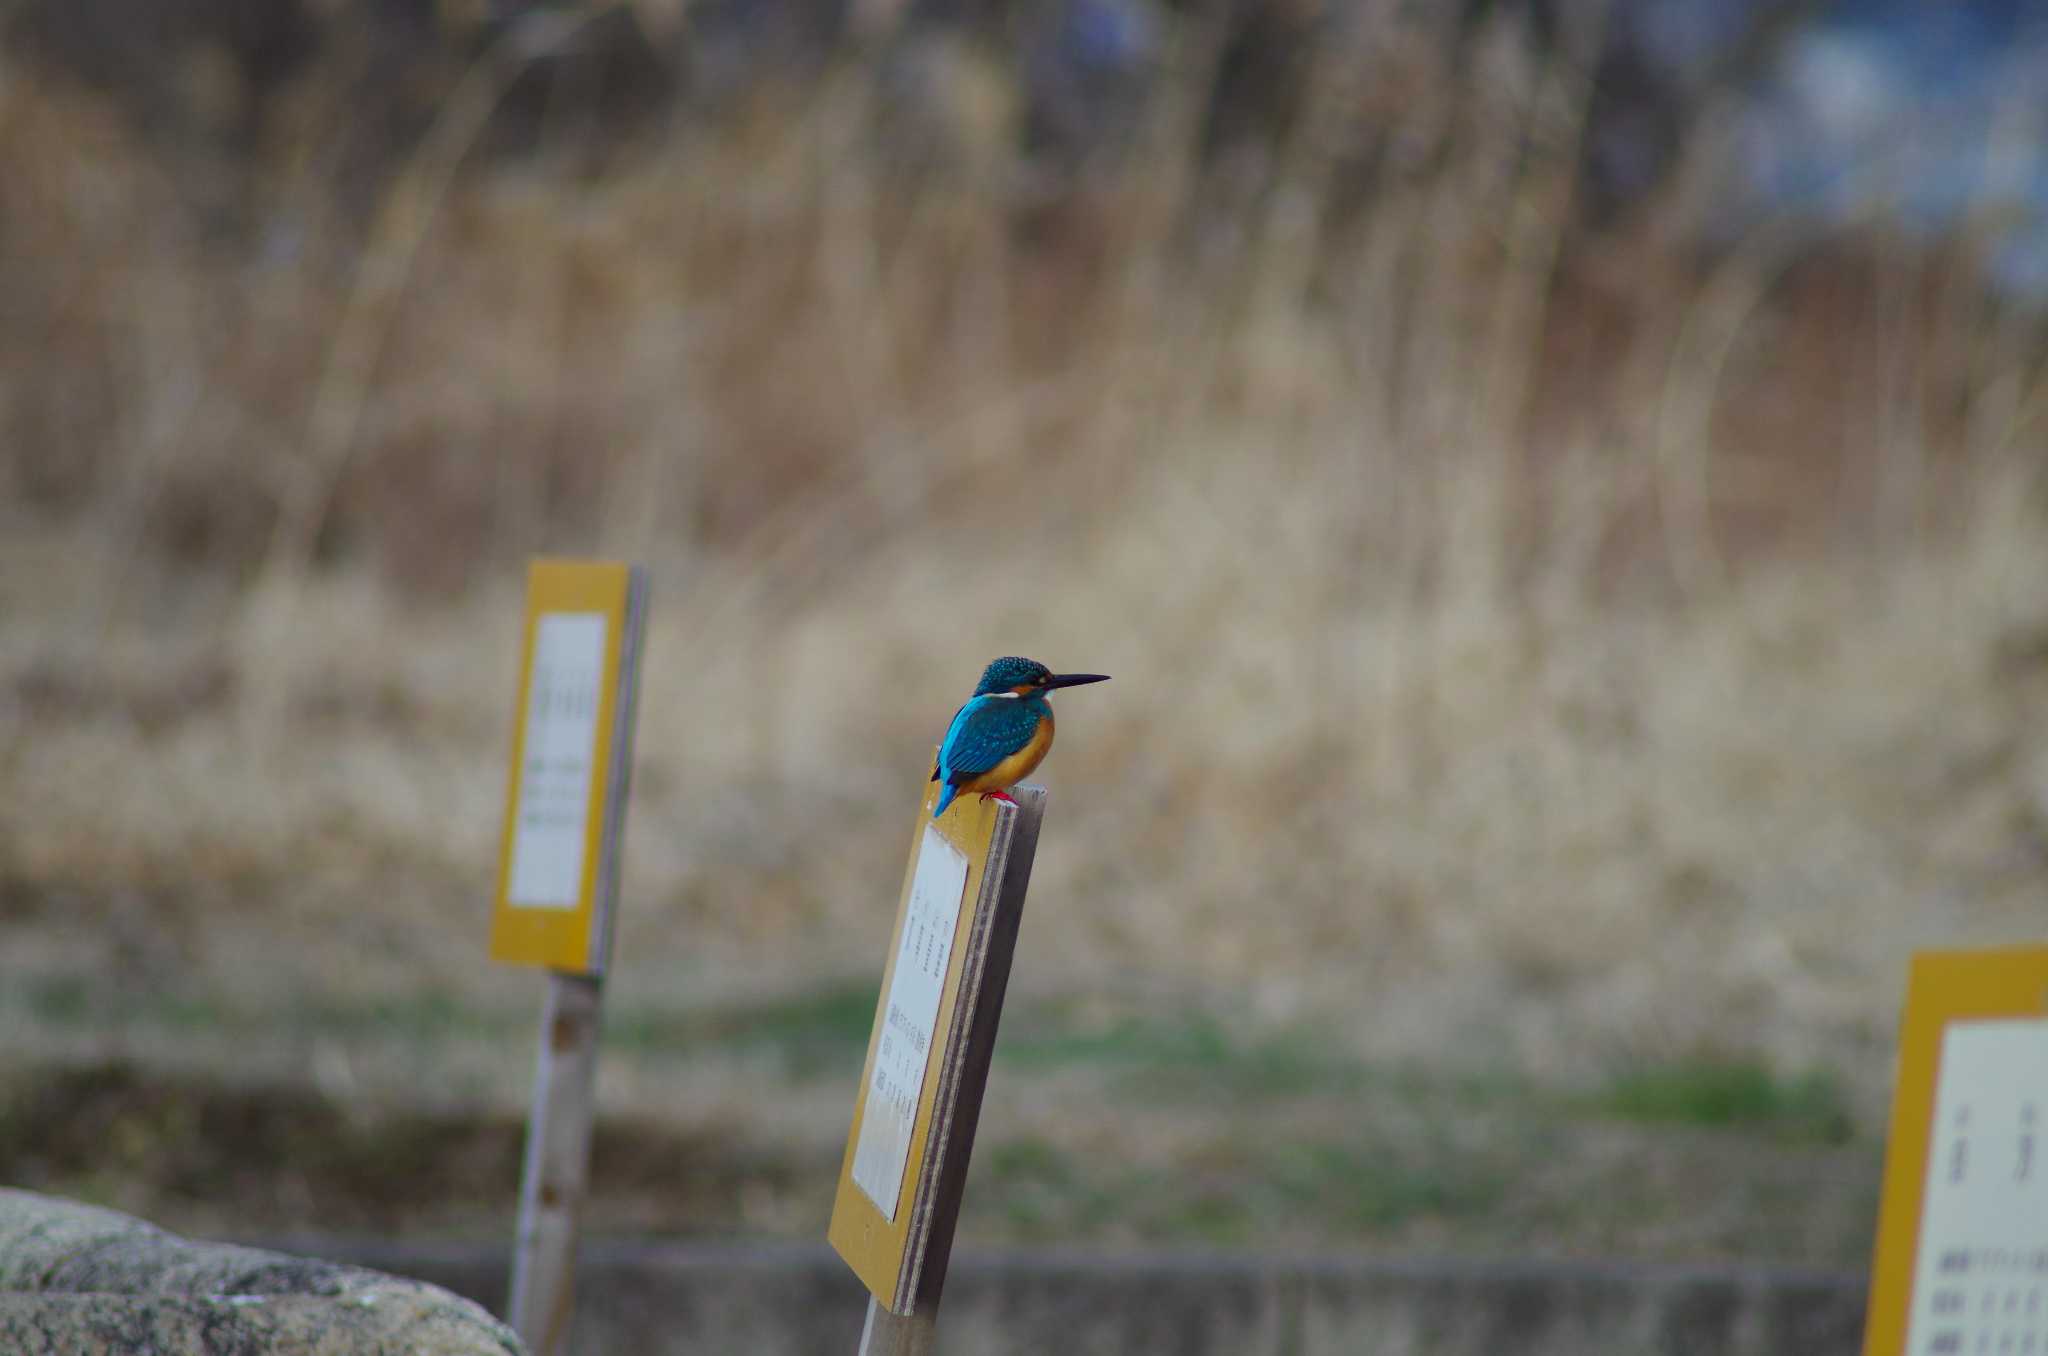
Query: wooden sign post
point(558, 883)
point(1962, 1239)
point(905, 1167)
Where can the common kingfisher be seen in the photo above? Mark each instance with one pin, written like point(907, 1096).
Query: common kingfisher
point(1004, 730)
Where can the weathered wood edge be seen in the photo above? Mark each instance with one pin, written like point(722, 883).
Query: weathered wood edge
point(625, 713)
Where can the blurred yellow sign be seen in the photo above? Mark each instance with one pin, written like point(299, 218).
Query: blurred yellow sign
point(882, 1214)
point(565, 798)
point(1962, 1240)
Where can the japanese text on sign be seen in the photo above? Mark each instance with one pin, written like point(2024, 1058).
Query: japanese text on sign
point(551, 819)
point(912, 1011)
point(1980, 1279)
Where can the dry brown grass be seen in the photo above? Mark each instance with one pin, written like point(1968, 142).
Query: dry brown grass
point(1527, 654)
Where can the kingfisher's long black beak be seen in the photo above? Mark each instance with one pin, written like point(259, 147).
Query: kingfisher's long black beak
point(1075, 679)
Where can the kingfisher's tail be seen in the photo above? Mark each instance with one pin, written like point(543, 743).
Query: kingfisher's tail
point(946, 794)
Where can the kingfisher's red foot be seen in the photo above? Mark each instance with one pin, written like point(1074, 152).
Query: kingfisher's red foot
point(997, 795)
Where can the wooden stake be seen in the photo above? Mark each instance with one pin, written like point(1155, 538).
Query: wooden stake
point(553, 1182)
point(887, 1334)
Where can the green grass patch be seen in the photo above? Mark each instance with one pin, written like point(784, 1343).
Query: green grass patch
point(1042, 1193)
point(1732, 1094)
point(73, 1001)
point(1192, 1053)
point(1364, 1187)
point(1234, 1192)
point(810, 1033)
point(821, 1031)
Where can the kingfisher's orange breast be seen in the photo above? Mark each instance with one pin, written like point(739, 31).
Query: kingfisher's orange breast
point(1018, 765)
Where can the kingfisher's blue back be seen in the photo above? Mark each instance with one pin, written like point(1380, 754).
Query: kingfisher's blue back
point(990, 728)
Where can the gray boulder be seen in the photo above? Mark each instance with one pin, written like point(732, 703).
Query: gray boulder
point(78, 1281)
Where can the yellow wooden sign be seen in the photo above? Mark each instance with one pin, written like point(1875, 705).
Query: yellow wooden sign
point(565, 799)
point(920, 1091)
point(1962, 1242)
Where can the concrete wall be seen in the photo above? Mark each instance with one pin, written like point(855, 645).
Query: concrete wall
point(780, 1301)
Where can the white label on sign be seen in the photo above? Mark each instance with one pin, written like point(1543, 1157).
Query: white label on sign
point(908, 1020)
point(1980, 1282)
point(551, 820)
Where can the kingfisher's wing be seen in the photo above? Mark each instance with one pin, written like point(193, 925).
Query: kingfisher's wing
point(983, 733)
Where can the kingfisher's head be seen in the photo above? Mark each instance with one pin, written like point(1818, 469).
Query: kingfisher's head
point(1018, 677)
